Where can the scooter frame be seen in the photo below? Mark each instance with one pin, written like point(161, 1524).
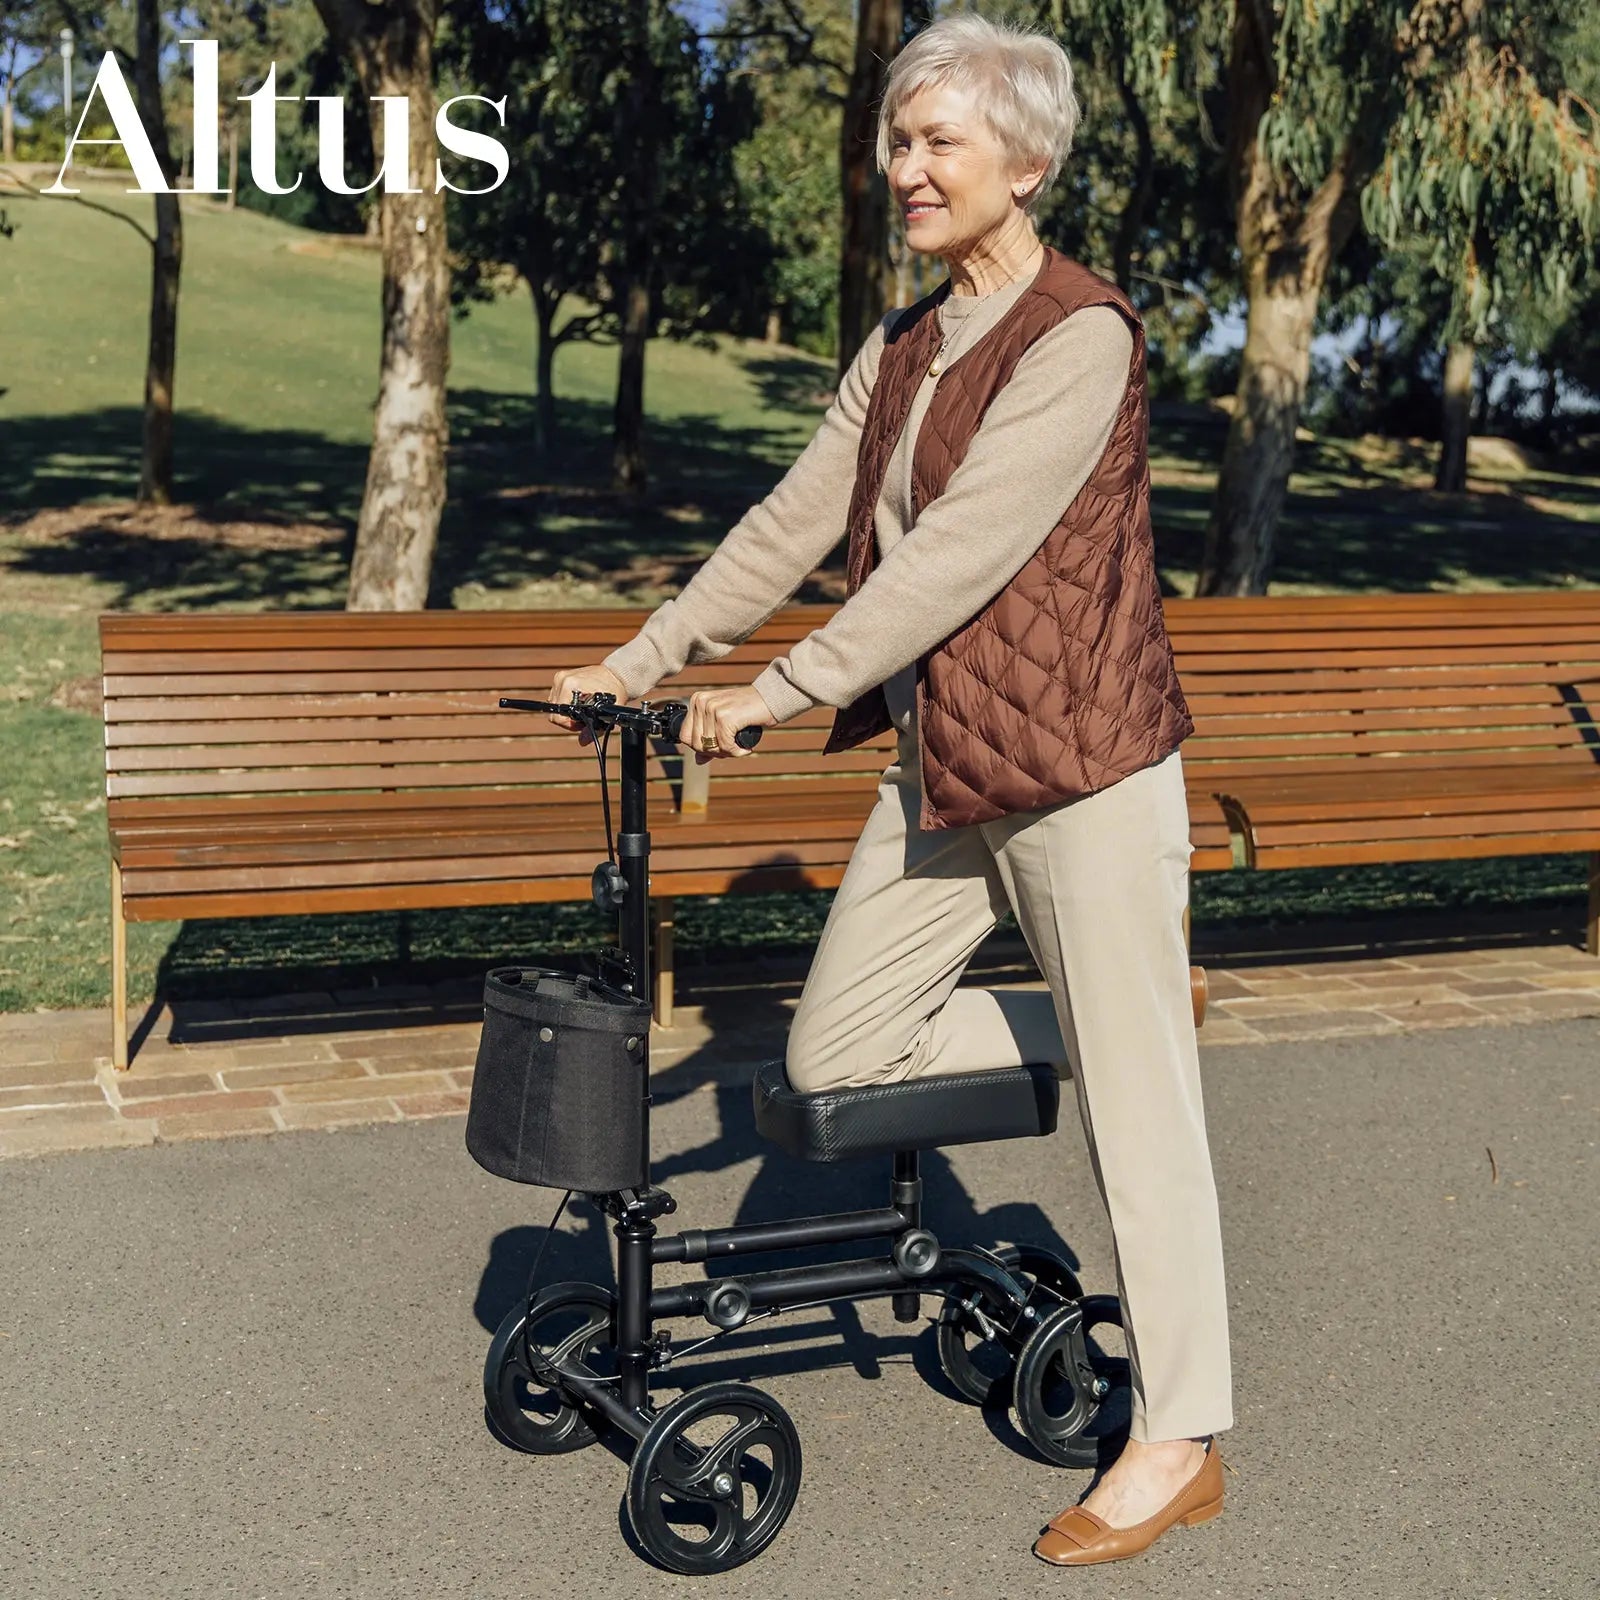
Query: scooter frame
point(1007, 1296)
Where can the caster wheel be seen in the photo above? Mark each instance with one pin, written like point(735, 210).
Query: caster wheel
point(714, 1478)
point(1073, 1393)
point(979, 1366)
point(526, 1407)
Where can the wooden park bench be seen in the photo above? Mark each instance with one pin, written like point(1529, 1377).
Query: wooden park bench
point(343, 762)
point(338, 762)
point(1339, 730)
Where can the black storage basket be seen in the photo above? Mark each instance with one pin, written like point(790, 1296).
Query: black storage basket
point(558, 1096)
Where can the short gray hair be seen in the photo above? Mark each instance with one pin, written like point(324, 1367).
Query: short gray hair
point(1020, 77)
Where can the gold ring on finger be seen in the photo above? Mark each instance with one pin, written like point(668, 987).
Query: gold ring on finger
point(709, 742)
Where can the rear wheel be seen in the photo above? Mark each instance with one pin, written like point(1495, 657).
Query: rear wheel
point(979, 1360)
point(526, 1404)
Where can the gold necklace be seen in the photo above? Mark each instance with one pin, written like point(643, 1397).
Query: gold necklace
point(936, 366)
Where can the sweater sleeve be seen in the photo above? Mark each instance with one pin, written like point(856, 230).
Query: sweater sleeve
point(769, 553)
point(1035, 449)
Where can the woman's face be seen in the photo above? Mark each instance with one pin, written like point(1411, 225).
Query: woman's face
point(948, 172)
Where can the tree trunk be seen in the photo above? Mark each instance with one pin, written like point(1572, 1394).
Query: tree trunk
point(392, 50)
point(1259, 453)
point(864, 269)
point(161, 353)
point(1130, 225)
point(8, 132)
point(636, 145)
point(774, 324)
point(544, 363)
point(1456, 419)
point(1287, 240)
point(1549, 398)
point(233, 164)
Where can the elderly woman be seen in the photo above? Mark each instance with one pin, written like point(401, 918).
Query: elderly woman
point(987, 455)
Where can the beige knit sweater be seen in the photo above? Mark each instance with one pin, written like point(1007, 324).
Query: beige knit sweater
point(1036, 447)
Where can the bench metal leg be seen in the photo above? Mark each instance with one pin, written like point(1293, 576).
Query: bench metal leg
point(1591, 941)
point(119, 973)
point(662, 908)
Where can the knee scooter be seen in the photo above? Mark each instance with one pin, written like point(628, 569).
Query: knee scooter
point(715, 1473)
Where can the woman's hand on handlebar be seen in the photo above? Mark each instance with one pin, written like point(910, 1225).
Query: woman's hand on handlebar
point(586, 680)
point(719, 714)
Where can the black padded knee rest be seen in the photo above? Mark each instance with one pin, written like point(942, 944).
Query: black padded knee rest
point(919, 1114)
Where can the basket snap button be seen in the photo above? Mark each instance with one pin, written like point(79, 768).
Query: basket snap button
point(633, 1042)
point(546, 1034)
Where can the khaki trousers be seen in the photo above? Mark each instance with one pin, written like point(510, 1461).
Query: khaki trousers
point(1098, 885)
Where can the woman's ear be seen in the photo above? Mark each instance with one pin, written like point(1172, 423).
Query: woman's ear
point(1025, 182)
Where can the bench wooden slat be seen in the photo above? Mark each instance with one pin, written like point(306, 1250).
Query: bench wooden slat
point(1575, 821)
point(1208, 706)
point(835, 816)
point(1321, 677)
point(1375, 852)
point(492, 730)
point(1511, 743)
point(310, 901)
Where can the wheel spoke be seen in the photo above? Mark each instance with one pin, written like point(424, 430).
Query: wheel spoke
point(712, 1458)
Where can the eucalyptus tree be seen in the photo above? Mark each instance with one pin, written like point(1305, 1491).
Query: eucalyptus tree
point(796, 60)
point(390, 43)
point(28, 33)
point(1499, 171)
point(1312, 92)
point(1143, 70)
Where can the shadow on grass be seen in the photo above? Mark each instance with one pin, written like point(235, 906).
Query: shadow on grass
point(791, 382)
point(515, 521)
point(512, 517)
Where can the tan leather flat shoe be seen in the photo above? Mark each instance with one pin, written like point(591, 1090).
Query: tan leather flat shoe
point(1078, 1538)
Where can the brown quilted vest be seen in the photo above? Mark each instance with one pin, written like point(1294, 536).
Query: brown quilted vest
point(1065, 682)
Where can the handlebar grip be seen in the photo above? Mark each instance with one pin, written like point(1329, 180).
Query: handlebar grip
point(745, 738)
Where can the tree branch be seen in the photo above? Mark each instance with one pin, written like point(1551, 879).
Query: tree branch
point(30, 193)
point(1171, 286)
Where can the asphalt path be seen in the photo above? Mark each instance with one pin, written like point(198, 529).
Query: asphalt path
point(251, 1367)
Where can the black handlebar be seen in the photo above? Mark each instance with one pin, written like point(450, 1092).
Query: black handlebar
point(601, 710)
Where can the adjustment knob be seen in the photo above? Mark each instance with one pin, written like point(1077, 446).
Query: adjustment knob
point(916, 1253)
point(608, 886)
point(728, 1305)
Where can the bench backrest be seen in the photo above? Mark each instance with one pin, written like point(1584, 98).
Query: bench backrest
point(1425, 681)
point(330, 703)
point(361, 702)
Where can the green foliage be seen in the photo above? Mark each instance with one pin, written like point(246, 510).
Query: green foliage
point(788, 169)
point(1498, 171)
point(557, 221)
point(1335, 79)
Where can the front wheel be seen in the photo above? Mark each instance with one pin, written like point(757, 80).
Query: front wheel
point(1073, 1391)
point(526, 1403)
point(714, 1478)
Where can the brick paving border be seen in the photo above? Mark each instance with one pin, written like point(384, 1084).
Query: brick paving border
point(220, 1069)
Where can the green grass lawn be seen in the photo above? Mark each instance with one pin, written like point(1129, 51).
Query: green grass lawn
point(277, 372)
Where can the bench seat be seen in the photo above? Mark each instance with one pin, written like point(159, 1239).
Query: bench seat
point(485, 848)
